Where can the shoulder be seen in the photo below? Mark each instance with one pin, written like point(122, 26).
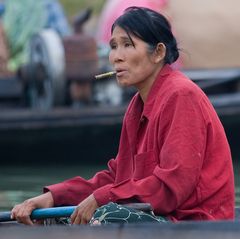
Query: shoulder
point(179, 93)
point(178, 85)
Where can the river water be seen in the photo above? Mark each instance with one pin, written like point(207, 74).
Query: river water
point(21, 182)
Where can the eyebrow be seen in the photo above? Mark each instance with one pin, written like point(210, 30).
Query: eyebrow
point(122, 38)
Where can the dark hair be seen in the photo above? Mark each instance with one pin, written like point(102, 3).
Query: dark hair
point(151, 27)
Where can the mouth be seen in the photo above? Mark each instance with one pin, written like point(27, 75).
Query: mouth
point(120, 72)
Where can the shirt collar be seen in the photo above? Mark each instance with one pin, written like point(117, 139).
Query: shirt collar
point(140, 110)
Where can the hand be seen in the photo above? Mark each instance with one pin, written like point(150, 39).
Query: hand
point(22, 211)
point(84, 211)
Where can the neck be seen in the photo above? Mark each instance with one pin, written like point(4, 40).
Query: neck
point(145, 88)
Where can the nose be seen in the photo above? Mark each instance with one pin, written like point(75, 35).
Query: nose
point(116, 55)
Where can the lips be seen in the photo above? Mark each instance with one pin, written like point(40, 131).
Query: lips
point(120, 72)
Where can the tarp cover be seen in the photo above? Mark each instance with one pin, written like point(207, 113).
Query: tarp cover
point(114, 8)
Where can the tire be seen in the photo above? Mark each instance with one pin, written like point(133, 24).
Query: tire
point(47, 56)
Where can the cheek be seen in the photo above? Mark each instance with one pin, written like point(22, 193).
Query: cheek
point(139, 66)
point(110, 57)
point(139, 61)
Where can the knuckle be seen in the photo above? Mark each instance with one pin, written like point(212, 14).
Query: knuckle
point(28, 202)
point(23, 218)
point(16, 207)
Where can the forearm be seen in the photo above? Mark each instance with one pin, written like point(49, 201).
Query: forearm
point(42, 201)
point(75, 190)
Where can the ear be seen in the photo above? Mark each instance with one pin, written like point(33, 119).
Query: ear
point(160, 52)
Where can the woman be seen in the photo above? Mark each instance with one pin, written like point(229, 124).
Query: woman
point(173, 151)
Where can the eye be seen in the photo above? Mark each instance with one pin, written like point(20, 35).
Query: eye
point(113, 45)
point(127, 44)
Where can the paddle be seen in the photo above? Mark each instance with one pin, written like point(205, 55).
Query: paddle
point(42, 213)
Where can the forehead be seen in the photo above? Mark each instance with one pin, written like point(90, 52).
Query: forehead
point(119, 32)
point(120, 35)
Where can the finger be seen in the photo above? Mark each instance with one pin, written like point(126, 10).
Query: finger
point(76, 218)
point(86, 218)
point(13, 215)
point(73, 216)
point(84, 221)
point(96, 222)
point(23, 215)
point(25, 220)
point(14, 211)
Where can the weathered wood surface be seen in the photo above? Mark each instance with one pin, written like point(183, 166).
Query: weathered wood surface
point(196, 230)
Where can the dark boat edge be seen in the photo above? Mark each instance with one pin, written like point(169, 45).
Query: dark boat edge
point(218, 229)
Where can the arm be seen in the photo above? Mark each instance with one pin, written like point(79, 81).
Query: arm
point(75, 190)
point(181, 139)
point(58, 194)
point(21, 212)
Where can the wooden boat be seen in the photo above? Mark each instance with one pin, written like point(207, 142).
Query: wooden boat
point(84, 136)
point(195, 230)
point(210, 229)
point(66, 211)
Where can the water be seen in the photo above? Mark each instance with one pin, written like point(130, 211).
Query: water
point(236, 167)
point(20, 183)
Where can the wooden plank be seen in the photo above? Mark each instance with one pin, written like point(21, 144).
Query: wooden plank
point(30, 119)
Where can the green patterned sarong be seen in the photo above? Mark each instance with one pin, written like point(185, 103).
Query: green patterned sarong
point(115, 213)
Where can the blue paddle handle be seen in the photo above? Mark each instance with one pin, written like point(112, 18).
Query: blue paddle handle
point(52, 212)
point(5, 217)
point(42, 213)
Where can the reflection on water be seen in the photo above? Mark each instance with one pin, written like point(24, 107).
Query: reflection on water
point(20, 183)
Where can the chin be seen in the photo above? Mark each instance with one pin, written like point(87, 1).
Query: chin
point(123, 83)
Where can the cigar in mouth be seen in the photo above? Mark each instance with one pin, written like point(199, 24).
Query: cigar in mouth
point(105, 75)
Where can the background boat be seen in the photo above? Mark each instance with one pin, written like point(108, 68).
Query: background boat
point(91, 134)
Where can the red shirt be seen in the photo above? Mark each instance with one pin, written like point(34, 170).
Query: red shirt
point(173, 153)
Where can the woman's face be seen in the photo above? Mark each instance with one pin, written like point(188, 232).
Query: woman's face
point(134, 64)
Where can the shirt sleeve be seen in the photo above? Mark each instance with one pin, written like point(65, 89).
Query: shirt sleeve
point(74, 190)
point(182, 139)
